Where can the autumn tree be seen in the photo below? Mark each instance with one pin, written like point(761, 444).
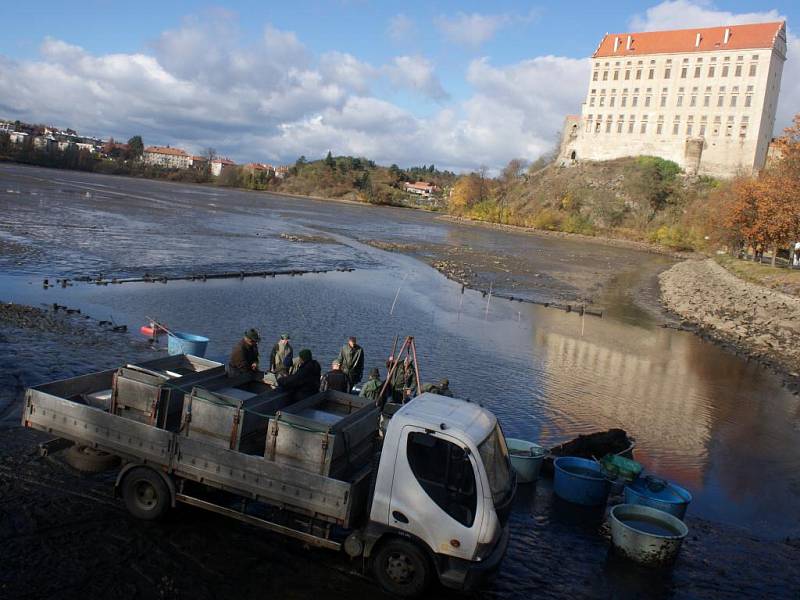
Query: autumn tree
point(135, 147)
point(466, 192)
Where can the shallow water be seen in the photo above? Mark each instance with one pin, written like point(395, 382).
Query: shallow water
point(719, 426)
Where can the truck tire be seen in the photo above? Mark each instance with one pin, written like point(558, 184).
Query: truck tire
point(145, 494)
point(401, 568)
point(89, 460)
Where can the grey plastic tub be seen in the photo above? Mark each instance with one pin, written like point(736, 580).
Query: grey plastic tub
point(646, 535)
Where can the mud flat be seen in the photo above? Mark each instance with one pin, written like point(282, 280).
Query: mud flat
point(753, 320)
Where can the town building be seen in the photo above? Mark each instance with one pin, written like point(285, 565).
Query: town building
point(220, 165)
point(282, 171)
point(198, 162)
point(420, 188)
point(165, 157)
point(705, 98)
point(17, 137)
point(262, 169)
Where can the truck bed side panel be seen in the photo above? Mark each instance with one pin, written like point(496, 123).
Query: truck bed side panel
point(92, 426)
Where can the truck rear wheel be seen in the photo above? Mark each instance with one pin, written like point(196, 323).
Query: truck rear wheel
point(401, 568)
point(89, 460)
point(145, 494)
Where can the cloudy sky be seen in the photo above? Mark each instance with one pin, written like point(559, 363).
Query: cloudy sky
point(458, 84)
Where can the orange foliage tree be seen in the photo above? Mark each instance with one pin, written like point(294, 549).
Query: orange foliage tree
point(765, 211)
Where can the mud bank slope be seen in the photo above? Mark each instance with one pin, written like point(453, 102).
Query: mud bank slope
point(754, 320)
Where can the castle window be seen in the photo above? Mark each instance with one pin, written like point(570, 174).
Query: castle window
point(589, 124)
point(634, 100)
point(693, 100)
point(595, 76)
point(638, 73)
point(616, 75)
point(733, 101)
point(651, 73)
point(643, 128)
point(683, 72)
point(706, 101)
point(631, 124)
point(703, 122)
point(591, 100)
point(711, 71)
point(725, 71)
point(720, 101)
point(729, 128)
point(689, 125)
point(696, 72)
point(755, 56)
point(738, 71)
point(620, 123)
point(611, 100)
point(605, 75)
point(753, 68)
point(667, 73)
point(627, 74)
point(602, 101)
point(680, 100)
point(748, 101)
point(663, 101)
point(647, 101)
point(597, 124)
point(608, 124)
point(676, 126)
point(660, 125)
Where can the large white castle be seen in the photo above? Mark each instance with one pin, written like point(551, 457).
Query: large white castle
point(704, 98)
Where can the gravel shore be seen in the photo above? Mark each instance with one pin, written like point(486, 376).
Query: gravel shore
point(759, 322)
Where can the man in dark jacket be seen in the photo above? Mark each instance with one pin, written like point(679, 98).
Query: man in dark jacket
point(244, 356)
point(281, 357)
point(305, 381)
point(351, 357)
point(335, 379)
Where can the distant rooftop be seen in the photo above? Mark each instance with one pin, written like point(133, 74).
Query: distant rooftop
point(165, 150)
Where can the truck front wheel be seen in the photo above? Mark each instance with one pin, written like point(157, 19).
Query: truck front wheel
point(145, 494)
point(401, 568)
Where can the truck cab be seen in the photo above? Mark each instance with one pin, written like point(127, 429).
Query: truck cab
point(442, 496)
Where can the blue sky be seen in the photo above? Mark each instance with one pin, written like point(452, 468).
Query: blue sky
point(460, 84)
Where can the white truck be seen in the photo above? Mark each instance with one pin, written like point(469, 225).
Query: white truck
point(430, 499)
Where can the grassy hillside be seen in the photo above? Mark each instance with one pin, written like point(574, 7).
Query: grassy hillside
point(642, 198)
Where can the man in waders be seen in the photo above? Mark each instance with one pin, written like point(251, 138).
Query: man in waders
point(404, 380)
point(244, 356)
point(280, 359)
point(351, 357)
point(372, 388)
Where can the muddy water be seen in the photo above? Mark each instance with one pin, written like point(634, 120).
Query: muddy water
point(721, 427)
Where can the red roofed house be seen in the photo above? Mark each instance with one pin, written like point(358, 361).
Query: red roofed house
point(703, 97)
point(166, 157)
point(421, 188)
point(220, 165)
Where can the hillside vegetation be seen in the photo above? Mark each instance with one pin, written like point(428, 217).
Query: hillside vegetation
point(643, 198)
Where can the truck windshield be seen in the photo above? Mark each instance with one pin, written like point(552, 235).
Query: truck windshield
point(494, 454)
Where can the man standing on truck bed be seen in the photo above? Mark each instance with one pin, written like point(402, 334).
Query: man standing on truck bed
point(244, 356)
point(280, 359)
point(351, 357)
point(305, 381)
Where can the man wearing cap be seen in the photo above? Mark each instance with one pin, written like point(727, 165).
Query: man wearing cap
point(244, 356)
point(335, 379)
point(305, 381)
point(351, 357)
point(280, 359)
point(372, 388)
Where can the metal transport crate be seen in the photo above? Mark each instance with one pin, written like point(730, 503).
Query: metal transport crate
point(330, 433)
point(152, 392)
point(232, 413)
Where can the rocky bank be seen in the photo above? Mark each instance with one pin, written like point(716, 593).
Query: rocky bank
point(760, 322)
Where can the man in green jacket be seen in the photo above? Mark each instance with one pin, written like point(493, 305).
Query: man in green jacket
point(351, 359)
point(404, 380)
point(372, 388)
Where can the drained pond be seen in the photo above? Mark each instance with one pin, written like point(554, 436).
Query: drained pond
point(717, 425)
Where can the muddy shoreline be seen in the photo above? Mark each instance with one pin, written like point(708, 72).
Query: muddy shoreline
point(747, 319)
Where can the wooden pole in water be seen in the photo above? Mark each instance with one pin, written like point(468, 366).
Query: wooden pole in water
point(391, 312)
point(488, 301)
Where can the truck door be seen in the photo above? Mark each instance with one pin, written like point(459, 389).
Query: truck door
point(436, 493)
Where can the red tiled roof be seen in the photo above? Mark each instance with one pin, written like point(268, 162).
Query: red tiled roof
point(165, 150)
point(420, 185)
point(756, 35)
point(223, 161)
point(199, 159)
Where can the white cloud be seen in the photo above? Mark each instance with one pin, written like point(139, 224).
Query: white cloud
point(416, 73)
point(400, 28)
point(475, 29)
point(471, 29)
point(679, 14)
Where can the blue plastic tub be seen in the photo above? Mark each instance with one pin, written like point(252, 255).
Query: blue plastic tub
point(186, 343)
point(580, 481)
point(672, 499)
